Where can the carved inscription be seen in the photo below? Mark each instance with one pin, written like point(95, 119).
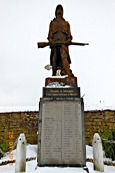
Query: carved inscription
point(69, 92)
point(51, 133)
point(61, 134)
point(68, 140)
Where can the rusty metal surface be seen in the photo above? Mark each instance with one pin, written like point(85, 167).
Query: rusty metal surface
point(59, 30)
point(72, 81)
point(60, 38)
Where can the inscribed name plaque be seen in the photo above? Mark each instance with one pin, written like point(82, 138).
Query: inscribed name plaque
point(61, 92)
point(61, 132)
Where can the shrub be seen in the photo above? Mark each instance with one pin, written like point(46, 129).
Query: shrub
point(4, 146)
point(108, 146)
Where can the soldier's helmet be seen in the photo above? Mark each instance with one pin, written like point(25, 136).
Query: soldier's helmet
point(59, 7)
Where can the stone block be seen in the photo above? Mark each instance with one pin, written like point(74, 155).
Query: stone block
point(61, 132)
point(66, 81)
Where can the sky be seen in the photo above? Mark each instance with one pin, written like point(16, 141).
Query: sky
point(25, 22)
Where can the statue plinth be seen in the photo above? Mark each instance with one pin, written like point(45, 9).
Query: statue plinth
point(61, 140)
point(71, 81)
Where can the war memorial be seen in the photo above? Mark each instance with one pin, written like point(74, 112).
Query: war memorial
point(61, 140)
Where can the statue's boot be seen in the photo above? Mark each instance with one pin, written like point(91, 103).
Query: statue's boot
point(67, 68)
point(54, 71)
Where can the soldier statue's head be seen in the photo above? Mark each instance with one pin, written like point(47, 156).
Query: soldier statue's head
point(59, 11)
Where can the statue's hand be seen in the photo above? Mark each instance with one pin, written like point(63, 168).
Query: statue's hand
point(50, 40)
point(69, 41)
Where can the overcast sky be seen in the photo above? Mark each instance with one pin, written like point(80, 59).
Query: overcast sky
point(25, 22)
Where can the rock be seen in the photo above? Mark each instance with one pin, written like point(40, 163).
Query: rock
point(21, 154)
point(97, 153)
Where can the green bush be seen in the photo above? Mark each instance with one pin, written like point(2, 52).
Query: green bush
point(108, 147)
point(4, 146)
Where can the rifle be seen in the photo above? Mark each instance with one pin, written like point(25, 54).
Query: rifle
point(44, 44)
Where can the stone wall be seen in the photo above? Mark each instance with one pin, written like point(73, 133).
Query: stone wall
point(95, 121)
point(27, 122)
point(14, 123)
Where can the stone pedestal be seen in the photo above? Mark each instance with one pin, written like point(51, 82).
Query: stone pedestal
point(61, 128)
point(66, 81)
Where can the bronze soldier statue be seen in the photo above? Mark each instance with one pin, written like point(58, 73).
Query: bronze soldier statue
point(59, 31)
point(60, 37)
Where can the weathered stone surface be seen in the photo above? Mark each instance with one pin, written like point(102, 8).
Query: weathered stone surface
point(18, 124)
point(67, 81)
point(61, 132)
point(61, 137)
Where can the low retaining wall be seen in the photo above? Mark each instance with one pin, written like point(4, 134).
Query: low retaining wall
point(14, 123)
point(96, 121)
